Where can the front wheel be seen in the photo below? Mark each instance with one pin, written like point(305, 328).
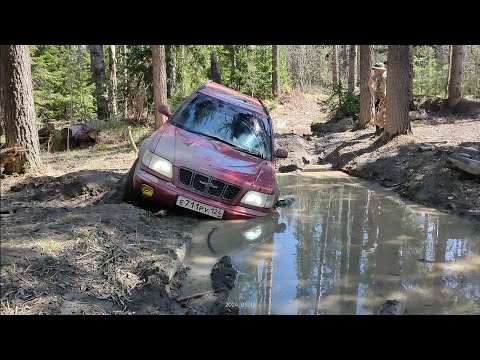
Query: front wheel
point(129, 193)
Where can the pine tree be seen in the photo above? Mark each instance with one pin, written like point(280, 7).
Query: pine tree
point(20, 128)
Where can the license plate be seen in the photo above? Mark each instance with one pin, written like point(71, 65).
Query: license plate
point(199, 207)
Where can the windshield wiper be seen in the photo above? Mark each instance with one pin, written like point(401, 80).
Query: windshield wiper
point(235, 146)
point(232, 145)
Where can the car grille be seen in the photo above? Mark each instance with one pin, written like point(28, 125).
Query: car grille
point(207, 185)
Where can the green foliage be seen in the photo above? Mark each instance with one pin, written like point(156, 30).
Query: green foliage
point(62, 85)
point(342, 102)
point(193, 68)
point(430, 72)
point(247, 68)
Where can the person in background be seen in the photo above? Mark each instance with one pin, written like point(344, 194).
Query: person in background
point(378, 87)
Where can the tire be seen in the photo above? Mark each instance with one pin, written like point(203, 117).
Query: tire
point(129, 193)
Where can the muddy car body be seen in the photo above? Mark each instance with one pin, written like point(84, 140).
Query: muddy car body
point(214, 155)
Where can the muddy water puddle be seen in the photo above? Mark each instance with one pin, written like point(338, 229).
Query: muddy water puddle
point(343, 247)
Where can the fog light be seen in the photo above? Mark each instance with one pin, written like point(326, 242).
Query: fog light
point(146, 190)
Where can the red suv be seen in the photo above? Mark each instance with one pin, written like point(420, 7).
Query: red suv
point(214, 155)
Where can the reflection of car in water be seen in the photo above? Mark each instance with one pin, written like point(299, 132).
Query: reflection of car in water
point(244, 233)
point(215, 155)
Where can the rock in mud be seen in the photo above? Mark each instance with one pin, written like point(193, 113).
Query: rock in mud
point(285, 202)
point(223, 280)
point(289, 168)
point(223, 275)
point(164, 265)
point(161, 213)
point(391, 307)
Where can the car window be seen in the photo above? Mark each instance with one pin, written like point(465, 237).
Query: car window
point(227, 123)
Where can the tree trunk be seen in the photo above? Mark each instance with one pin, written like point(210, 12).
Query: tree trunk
point(275, 75)
point(449, 61)
point(344, 66)
point(233, 65)
point(358, 65)
point(475, 83)
point(351, 69)
point(334, 66)
point(19, 111)
point(97, 61)
point(159, 82)
point(366, 99)
point(456, 71)
point(215, 68)
point(2, 107)
point(171, 52)
point(113, 80)
point(411, 103)
point(125, 81)
point(397, 120)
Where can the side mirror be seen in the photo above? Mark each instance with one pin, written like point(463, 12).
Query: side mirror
point(281, 153)
point(165, 110)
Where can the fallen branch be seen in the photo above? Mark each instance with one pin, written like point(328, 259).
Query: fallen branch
point(464, 164)
point(11, 209)
point(130, 139)
point(194, 296)
point(426, 147)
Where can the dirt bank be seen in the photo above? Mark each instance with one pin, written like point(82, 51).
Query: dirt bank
point(414, 166)
point(68, 246)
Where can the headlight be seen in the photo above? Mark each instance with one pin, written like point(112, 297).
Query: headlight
point(157, 164)
point(258, 199)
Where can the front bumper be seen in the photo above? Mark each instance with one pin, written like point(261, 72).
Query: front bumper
point(167, 193)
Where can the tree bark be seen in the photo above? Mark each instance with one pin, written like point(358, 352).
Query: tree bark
point(19, 111)
point(171, 52)
point(334, 67)
point(351, 69)
point(159, 82)
point(475, 83)
point(456, 72)
point(97, 62)
point(366, 99)
point(397, 120)
point(449, 61)
point(215, 68)
point(411, 103)
point(275, 76)
point(2, 107)
point(344, 63)
point(233, 65)
point(125, 81)
point(113, 79)
point(358, 65)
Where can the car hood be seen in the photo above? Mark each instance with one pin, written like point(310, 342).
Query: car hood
point(216, 159)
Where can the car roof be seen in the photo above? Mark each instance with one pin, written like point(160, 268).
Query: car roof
point(234, 97)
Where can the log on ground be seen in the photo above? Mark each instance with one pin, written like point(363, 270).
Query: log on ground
point(80, 133)
point(463, 164)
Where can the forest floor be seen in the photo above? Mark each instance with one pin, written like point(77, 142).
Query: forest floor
point(70, 247)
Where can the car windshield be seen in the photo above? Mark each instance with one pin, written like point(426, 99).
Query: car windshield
point(227, 123)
